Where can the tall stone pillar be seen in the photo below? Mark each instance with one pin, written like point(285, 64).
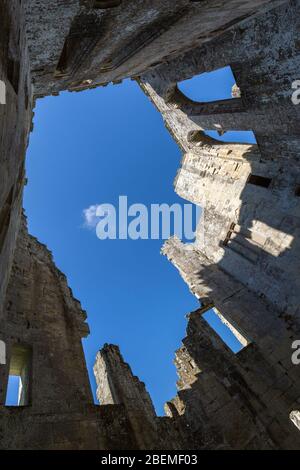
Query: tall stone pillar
point(117, 385)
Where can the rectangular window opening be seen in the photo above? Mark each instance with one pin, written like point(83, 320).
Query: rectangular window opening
point(245, 242)
point(233, 338)
point(295, 418)
point(19, 383)
point(297, 191)
point(259, 181)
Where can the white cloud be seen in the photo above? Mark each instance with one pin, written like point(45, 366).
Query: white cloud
point(90, 217)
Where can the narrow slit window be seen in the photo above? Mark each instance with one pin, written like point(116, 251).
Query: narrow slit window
point(297, 190)
point(225, 330)
point(2, 352)
point(209, 86)
point(19, 383)
point(261, 181)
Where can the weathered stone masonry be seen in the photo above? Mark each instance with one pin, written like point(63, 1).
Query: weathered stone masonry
point(244, 259)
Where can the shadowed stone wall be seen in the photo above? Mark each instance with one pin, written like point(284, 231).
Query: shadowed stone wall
point(42, 316)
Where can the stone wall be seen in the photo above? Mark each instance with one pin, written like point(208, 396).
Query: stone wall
point(15, 118)
point(75, 45)
point(243, 260)
point(118, 385)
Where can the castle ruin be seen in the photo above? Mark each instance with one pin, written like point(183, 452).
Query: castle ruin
point(246, 267)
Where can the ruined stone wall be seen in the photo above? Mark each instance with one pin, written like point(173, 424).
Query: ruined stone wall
point(244, 259)
point(15, 118)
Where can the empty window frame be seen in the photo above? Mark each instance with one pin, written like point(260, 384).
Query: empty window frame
point(209, 86)
point(261, 181)
point(229, 334)
point(19, 376)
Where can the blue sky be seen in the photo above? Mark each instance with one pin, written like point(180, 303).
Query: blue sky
point(88, 148)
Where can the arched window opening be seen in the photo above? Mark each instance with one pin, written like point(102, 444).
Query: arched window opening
point(229, 334)
point(210, 86)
